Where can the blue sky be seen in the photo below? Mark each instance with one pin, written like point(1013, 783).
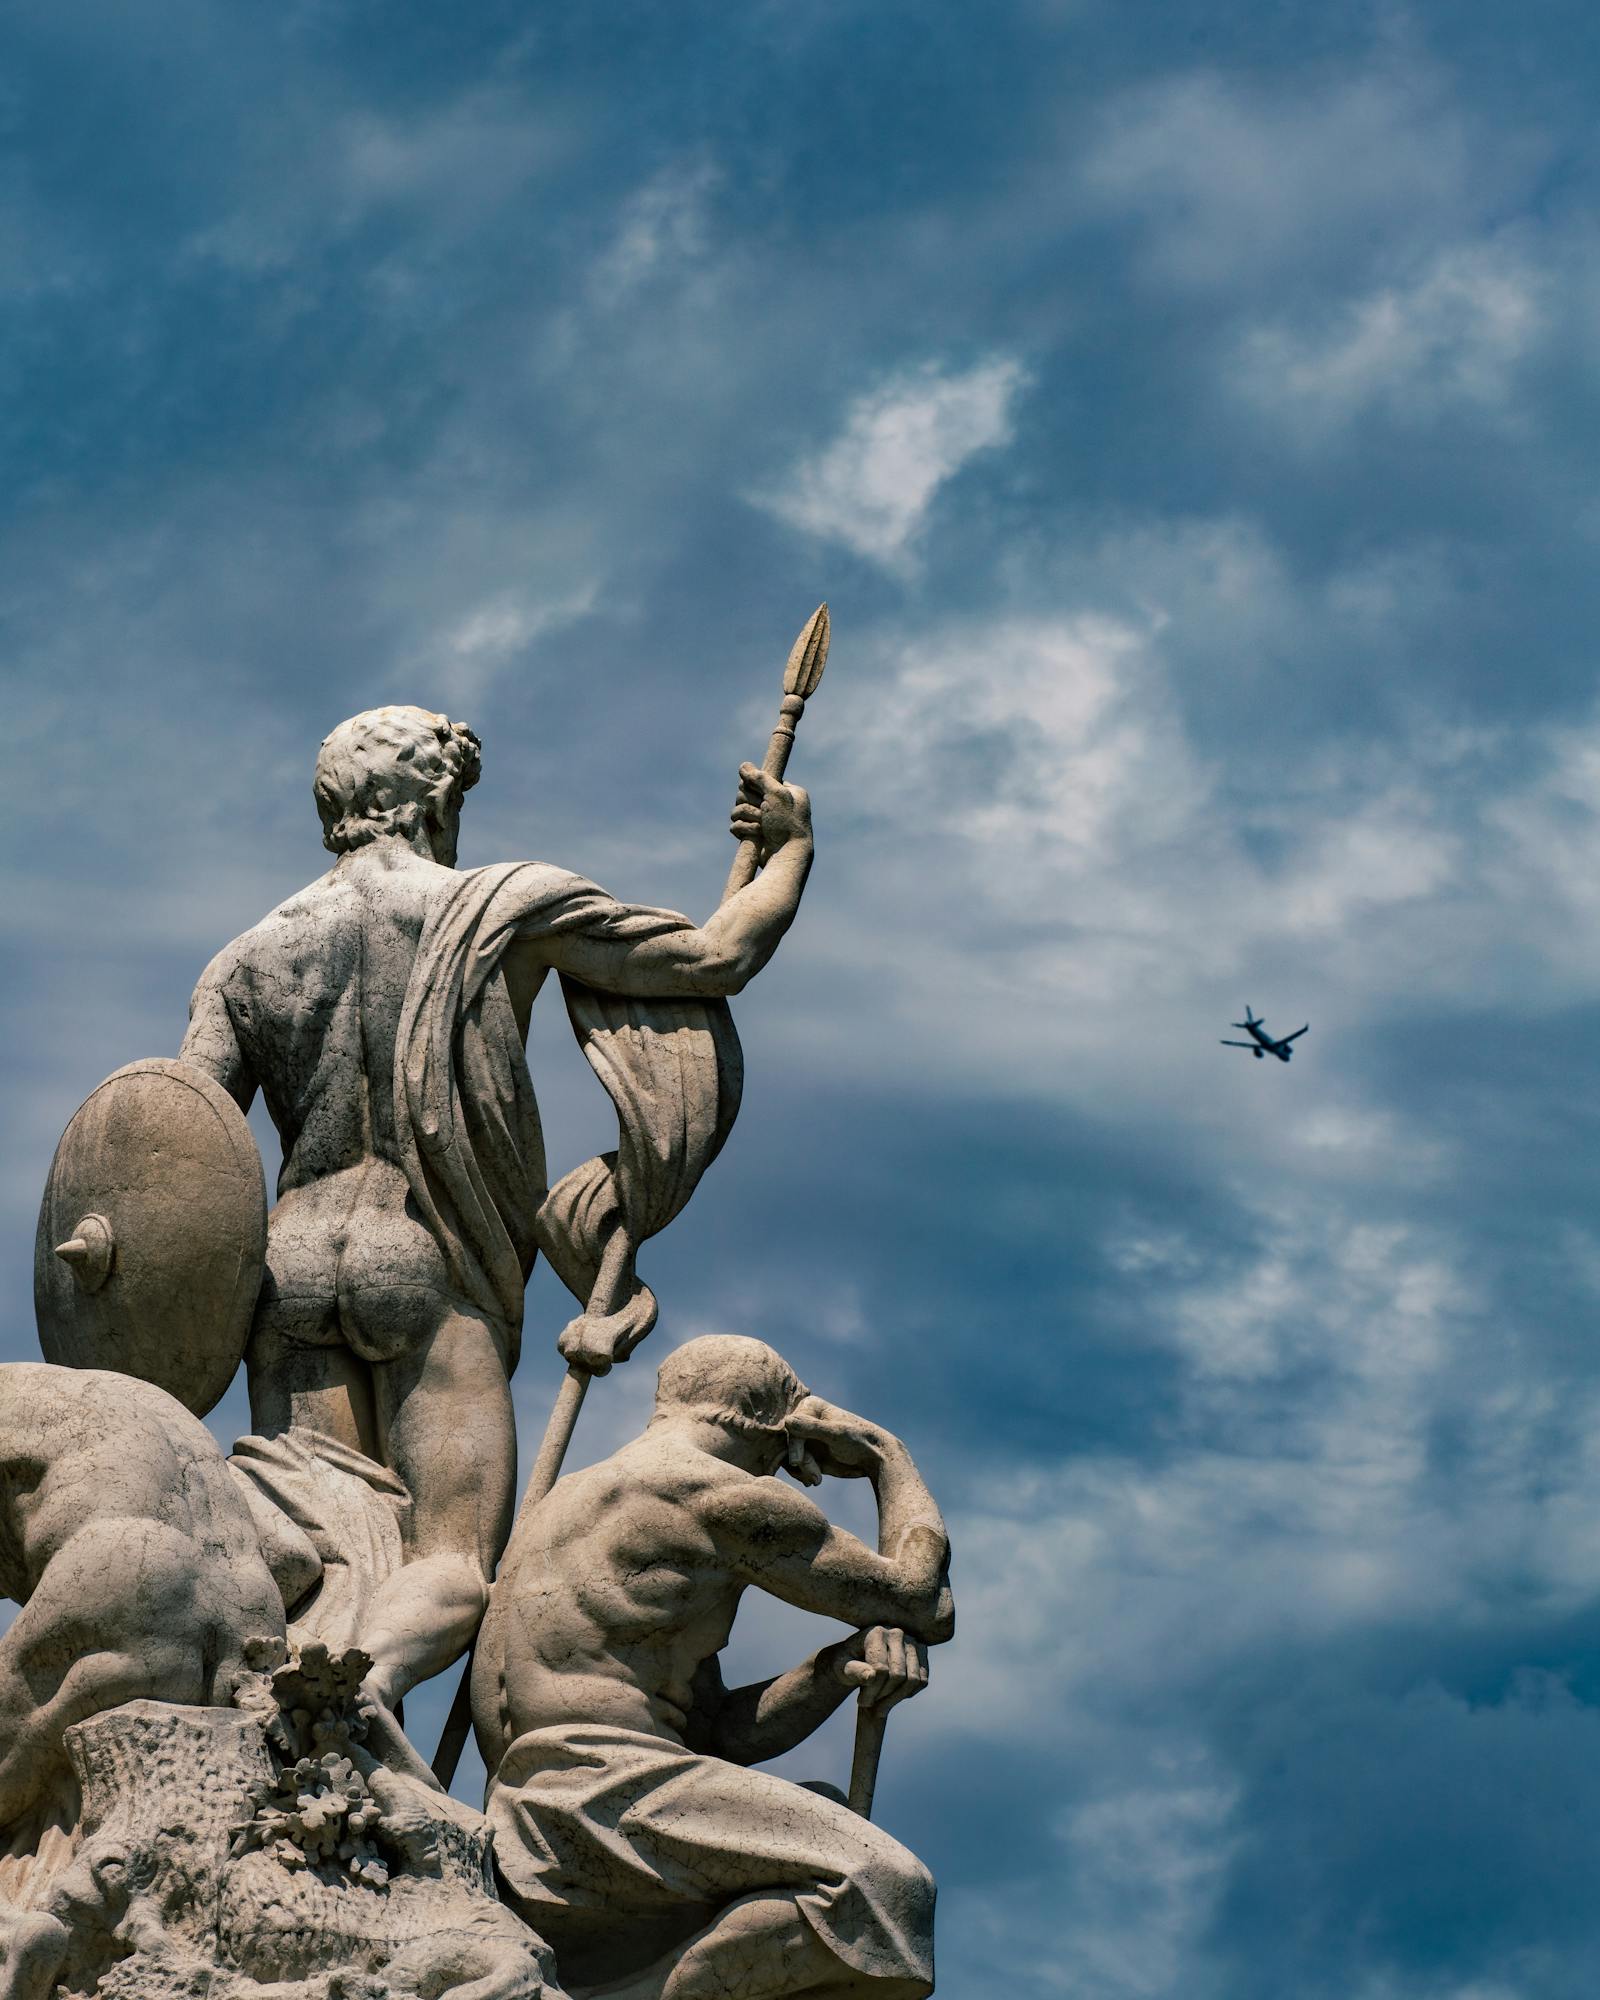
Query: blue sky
point(1189, 413)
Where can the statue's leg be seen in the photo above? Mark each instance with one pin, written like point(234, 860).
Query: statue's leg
point(321, 1386)
point(114, 1618)
point(32, 1946)
point(761, 1948)
point(447, 1428)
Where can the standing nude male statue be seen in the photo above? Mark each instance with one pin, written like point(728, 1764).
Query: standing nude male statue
point(629, 1832)
point(391, 1309)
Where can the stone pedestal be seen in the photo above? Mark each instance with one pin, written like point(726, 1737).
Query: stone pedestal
point(211, 1860)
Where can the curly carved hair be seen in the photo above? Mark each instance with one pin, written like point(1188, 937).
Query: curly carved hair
point(731, 1379)
point(391, 770)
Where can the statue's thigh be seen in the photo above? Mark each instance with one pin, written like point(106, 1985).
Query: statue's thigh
point(320, 1387)
point(447, 1427)
point(118, 1614)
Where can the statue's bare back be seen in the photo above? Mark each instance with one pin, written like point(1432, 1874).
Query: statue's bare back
point(630, 1826)
point(621, 1595)
point(348, 1259)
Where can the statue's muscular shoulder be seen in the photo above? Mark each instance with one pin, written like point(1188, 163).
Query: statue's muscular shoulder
point(363, 910)
point(678, 1497)
point(643, 1507)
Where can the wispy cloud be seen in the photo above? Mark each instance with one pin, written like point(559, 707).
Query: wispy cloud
point(1191, 437)
point(1455, 334)
point(872, 487)
point(1228, 182)
point(497, 633)
point(664, 227)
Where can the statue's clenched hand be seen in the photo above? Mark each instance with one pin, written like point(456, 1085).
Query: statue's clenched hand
point(768, 811)
point(888, 1665)
point(825, 1440)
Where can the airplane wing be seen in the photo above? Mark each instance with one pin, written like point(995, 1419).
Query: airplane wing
point(1297, 1034)
point(1225, 1043)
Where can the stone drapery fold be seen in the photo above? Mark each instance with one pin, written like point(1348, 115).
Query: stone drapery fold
point(467, 1120)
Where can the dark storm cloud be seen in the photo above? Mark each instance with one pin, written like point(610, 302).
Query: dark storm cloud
point(1187, 414)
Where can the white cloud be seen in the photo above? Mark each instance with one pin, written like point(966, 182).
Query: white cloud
point(335, 165)
point(1109, 881)
point(1145, 1865)
point(1232, 183)
point(663, 228)
point(1111, 1584)
point(1388, 851)
point(872, 487)
point(1455, 333)
point(495, 634)
point(1035, 772)
point(1132, 1874)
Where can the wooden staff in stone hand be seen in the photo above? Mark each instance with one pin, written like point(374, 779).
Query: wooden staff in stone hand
point(806, 661)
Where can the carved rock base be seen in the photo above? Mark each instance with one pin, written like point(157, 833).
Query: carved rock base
point(181, 1881)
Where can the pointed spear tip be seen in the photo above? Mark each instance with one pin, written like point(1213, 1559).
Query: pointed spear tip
point(809, 654)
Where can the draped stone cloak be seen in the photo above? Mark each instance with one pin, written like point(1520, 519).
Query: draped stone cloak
point(467, 1122)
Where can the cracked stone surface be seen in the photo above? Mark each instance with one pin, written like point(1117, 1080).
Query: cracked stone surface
point(204, 1787)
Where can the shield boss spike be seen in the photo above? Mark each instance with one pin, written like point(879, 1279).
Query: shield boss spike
point(153, 1233)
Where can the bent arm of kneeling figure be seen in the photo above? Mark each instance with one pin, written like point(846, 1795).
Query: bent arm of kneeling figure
point(749, 1725)
point(775, 1538)
point(752, 1724)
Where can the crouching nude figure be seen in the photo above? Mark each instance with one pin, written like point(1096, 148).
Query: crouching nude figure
point(139, 1571)
point(630, 1832)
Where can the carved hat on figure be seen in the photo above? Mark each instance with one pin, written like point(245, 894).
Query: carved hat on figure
point(392, 770)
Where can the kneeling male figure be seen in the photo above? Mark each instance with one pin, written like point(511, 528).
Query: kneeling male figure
point(630, 1832)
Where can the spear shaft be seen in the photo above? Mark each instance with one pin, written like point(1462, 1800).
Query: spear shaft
point(807, 658)
point(870, 1725)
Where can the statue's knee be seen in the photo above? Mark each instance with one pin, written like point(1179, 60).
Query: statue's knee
point(903, 1884)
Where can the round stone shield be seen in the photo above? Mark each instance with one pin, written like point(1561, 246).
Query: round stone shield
point(153, 1233)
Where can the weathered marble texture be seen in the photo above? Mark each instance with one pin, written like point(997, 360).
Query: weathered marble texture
point(629, 1830)
point(152, 1233)
point(133, 1556)
point(332, 1527)
point(414, 1171)
point(182, 1810)
point(211, 1859)
point(204, 1787)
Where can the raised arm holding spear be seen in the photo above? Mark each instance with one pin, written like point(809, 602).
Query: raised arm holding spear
point(675, 1075)
point(614, 1282)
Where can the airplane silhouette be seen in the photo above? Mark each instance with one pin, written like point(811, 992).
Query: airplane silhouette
point(1261, 1043)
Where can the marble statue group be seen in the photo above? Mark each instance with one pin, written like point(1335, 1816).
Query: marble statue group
point(206, 1785)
